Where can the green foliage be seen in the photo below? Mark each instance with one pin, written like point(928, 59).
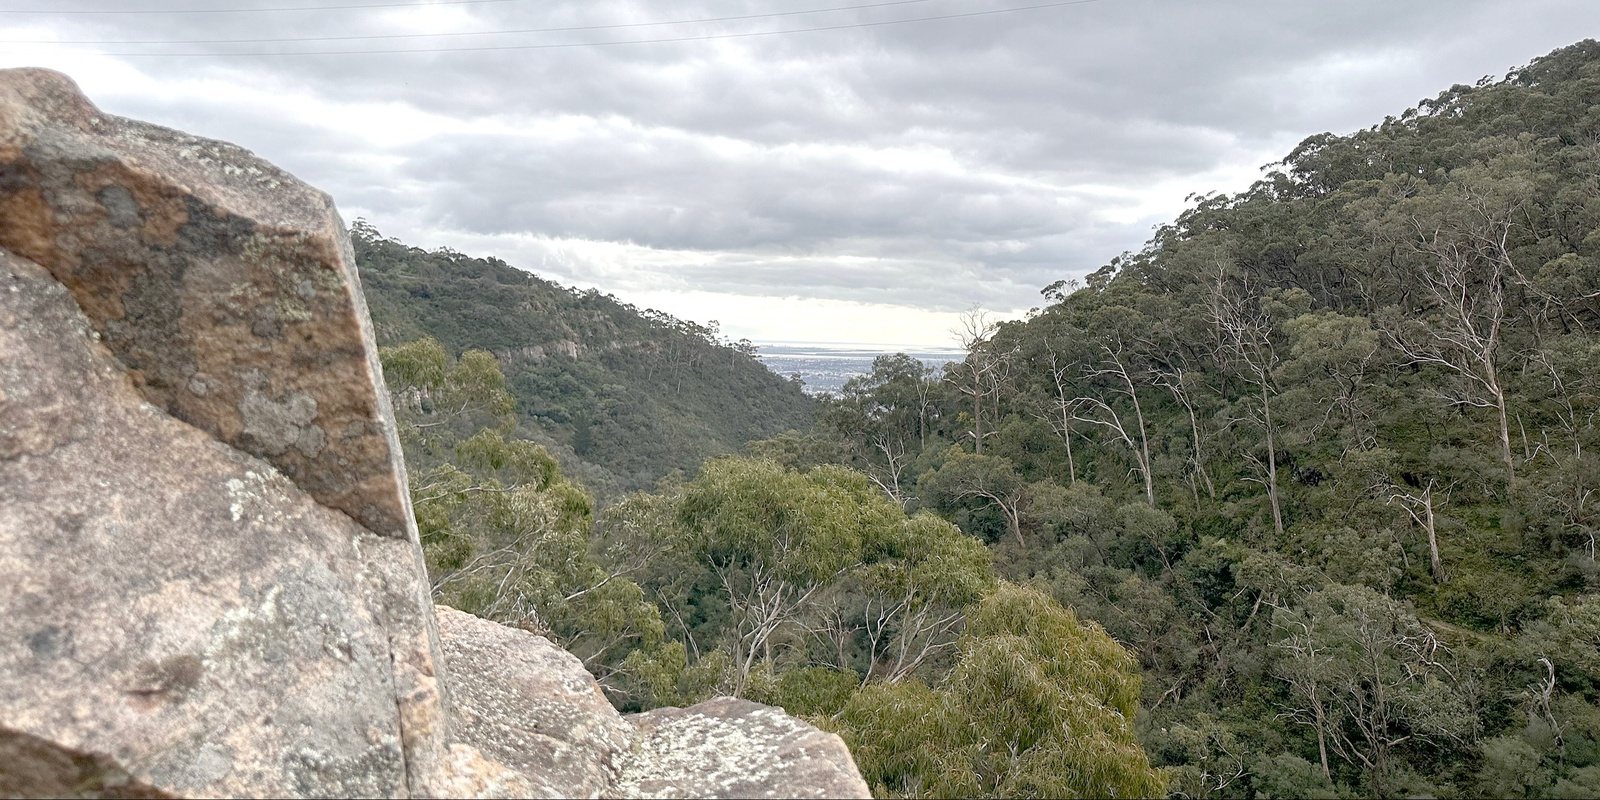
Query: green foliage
point(504, 534)
point(1322, 455)
point(431, 390)
point(1289, 776)
point(664, 677)
point(778, 569)
point(1569, 634)
point(815, 591)
point(1367, 676)
point(967, 485)
point(420, 364)
point(620, 395)
point(816, 692)
point(1037, 705)
point(1321, 460)
point(803, 529)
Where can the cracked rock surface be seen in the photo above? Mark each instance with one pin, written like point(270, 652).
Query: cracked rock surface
point(225, 286)
point(176, 605)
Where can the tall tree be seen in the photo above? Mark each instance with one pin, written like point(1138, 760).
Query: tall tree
point(1249, 348)
point(1464, 233)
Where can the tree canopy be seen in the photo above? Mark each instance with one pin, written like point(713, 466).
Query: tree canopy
point(1300, 500)
point(620, 395)
point(1322, 455)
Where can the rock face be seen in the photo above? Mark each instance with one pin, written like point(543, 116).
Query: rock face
point(181, 607)
point(212, 584)
point(530, 705)
point(735, 748)
point(37, 768)
point(225, 286)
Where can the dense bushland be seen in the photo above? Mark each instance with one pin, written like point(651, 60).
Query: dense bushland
point(621, 395)
point(1323, 454)
point(1300, 500)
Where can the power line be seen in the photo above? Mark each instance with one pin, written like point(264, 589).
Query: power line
point(565, 45)
point(256, 10)
point(474, 33)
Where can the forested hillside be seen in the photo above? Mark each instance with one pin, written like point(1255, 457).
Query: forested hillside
point(1323, 455)
point(1298, 501)
point(624, 395)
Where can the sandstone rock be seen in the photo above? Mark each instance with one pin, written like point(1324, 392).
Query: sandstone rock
point(173, 603)
point(735, 748)
point(531, 706)
point(528, 704)
point(226, 286)
point(178, 606)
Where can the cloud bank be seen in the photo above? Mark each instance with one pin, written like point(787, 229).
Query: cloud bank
point(862, 184)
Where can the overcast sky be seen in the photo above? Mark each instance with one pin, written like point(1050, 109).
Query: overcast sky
point(854, 184)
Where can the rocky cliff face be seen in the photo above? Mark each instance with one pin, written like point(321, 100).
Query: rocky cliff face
point(212, 580)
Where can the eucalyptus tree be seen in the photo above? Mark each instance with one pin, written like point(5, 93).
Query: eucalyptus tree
point(885, 418)
point(505, 534)
point(1463, 233)
point(1113, 378)
point(1368, 678)
point(1039, 704)
point(1250, 350)
point(988, 479)
point(985, 374)
point(773, 539)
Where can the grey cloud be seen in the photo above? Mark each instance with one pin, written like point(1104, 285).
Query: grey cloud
point(733, 148)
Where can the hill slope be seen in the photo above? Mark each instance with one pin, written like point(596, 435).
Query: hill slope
point(631, 394)
point(1323, 454)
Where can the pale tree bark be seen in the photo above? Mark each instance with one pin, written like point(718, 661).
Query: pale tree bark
point(1307, 682)
point(1577, 496)
point(984, 374)
point(761, 603)
point(1009, 503)
point(1246, 337)
point(1096, 411)
point(1173, 381)
point(1059, 415)
point(1419, 505)
point(925, 384)
point(894, 466)
point(1468, 268)
point(904, 633)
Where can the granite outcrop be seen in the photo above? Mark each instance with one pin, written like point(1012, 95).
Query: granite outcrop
point(213, 584)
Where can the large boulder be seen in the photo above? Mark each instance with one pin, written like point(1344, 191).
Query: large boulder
point(213, 585)
point(729, 747)
point(179, 606)
point(525, 702)
point(224, 285)
point(531, 706)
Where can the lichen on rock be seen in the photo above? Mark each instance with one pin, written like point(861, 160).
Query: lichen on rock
point(224, 285)
point(729, 747)
point(186, 611)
